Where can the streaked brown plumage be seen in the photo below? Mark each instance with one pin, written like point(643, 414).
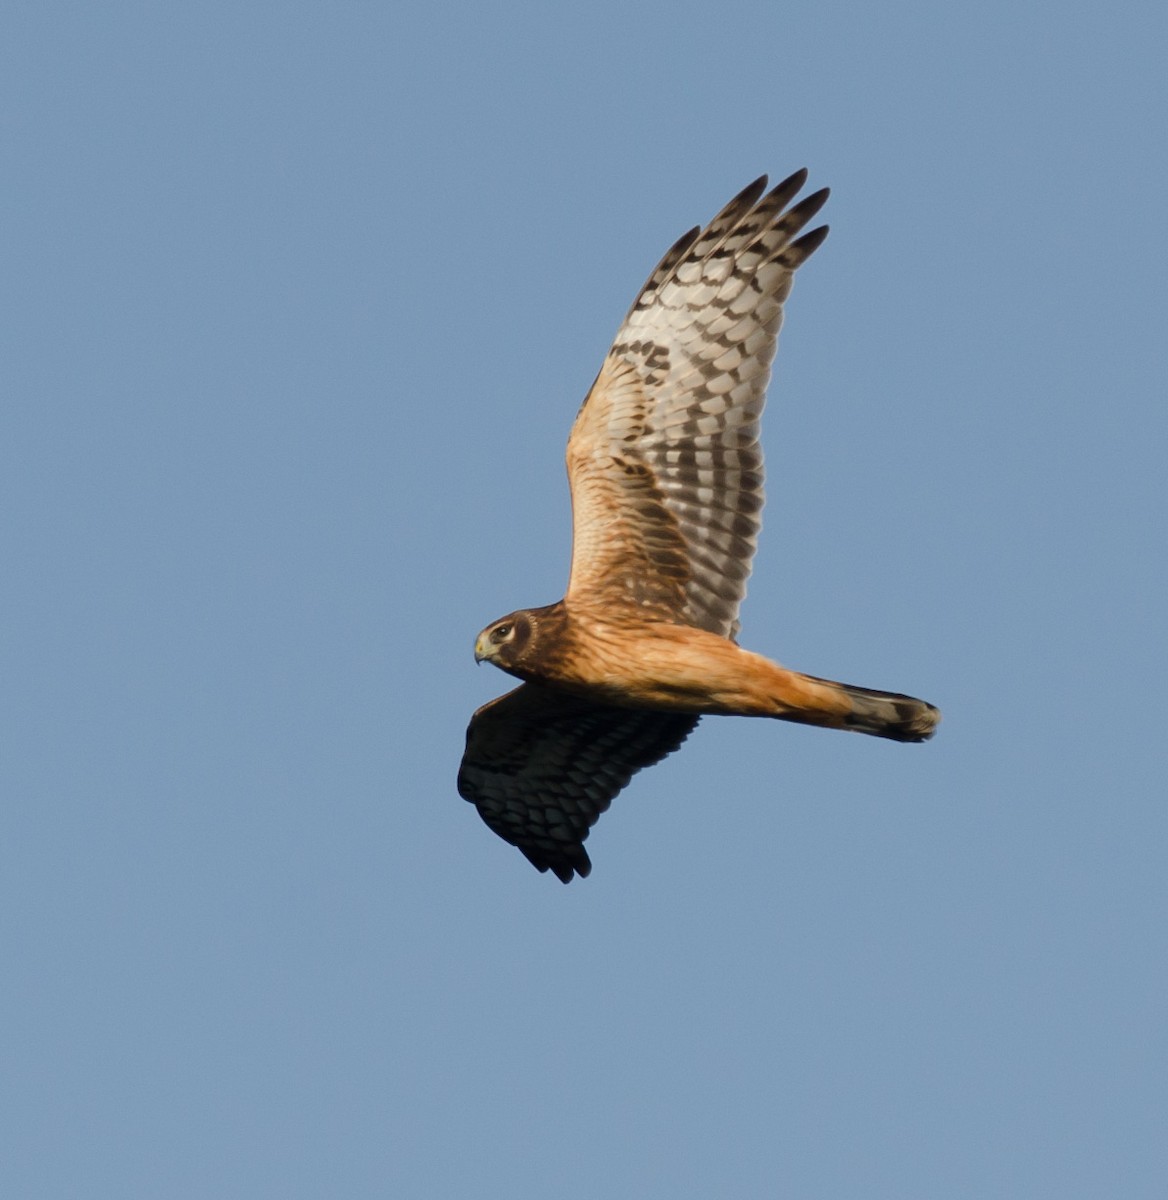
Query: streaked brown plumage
point(666, 475)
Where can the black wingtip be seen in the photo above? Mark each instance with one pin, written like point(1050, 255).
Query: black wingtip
point(807, 208)
point(564, 864)
point(683, 243)
point(798, 252)
point(782, 192)
point(749, 194)
point(565, 872)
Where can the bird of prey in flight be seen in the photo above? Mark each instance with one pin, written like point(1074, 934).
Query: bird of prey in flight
point(666, 476)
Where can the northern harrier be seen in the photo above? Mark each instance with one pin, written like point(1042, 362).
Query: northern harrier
point(665, 470)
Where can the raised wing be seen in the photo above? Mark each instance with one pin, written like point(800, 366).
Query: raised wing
point(664, 459)
point(541, 766)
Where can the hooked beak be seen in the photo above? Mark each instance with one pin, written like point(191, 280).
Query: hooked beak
point(481, 653)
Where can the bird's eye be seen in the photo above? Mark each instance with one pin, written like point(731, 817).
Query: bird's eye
point(501, 632)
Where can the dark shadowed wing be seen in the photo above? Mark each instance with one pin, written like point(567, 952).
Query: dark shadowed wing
point(664, 460)
point(541, 766)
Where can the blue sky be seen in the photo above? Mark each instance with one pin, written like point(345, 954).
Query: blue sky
point(299, 303)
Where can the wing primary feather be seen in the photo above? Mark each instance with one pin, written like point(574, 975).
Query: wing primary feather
point(795, 218)
point(747, 198)
point(669, 260)
point(800, 251)
point(788, 189)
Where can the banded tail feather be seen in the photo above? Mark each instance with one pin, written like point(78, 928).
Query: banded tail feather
point(834, 705)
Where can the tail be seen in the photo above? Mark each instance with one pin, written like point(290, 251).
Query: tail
point(812, 701)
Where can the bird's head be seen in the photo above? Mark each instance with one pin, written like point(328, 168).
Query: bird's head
point(505, 641)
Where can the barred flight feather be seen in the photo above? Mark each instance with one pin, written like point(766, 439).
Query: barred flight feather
point(682, 391)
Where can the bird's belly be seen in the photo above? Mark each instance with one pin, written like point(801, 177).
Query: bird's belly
point(673, 667)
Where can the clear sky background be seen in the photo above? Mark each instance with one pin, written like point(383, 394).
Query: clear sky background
point(299, 303)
